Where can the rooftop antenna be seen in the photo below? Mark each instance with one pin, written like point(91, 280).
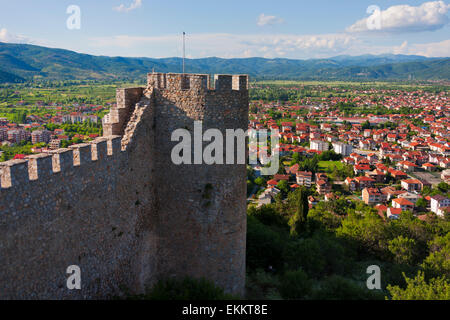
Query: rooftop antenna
point(184, 48)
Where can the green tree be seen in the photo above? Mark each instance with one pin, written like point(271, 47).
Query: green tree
point(283, 186)
point(260, 181)
point(443, 187)
point(438, 261)
point(422, 203)
point(340, 288)
point(295, 285)
point(403, 249)
point(298, 201)
point(419, 289)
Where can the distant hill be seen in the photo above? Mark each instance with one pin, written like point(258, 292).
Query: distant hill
point(22, 62)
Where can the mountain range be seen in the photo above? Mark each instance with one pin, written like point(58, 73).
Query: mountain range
point(24, 62)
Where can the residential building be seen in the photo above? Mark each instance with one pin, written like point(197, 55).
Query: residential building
point(403, 204)
point(342, 148)
point(411, 185)
point(438, 202)
point(393, 213)
point(304, 178)
point(40, 136)
point(372, 196)
point(318, 145)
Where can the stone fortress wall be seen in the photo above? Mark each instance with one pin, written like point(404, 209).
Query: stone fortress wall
point(120, 209)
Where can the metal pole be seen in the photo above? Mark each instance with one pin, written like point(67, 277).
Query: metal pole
point(184, 49)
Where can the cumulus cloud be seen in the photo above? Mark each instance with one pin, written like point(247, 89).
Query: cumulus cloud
point(122, 8)
point(231, 45)
point(433, 49)
point(6, 36)
point(428, 16)
point(264, 20)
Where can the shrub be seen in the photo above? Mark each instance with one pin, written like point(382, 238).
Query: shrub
point(419, 289)
point(185, 289)
point(264, 246)
point(340, 288)
point(295, 285)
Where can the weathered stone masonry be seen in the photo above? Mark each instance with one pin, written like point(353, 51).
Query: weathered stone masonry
point(118, 208)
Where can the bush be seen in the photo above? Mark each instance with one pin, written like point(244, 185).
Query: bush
point(319, 255)
point(419, 289)
point(264, 246)
point(402, 249)
point(295, 285)
point(185, 289)
point(340, 288)
point(262, 285)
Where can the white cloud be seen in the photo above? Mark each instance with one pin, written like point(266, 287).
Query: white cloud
point(434, 49)
point(264, 20)
point(232, 45)
point(6, 36)
point(122, 8)
point(428, 16)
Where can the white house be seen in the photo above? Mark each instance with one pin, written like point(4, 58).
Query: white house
point(318, 145)
point(342, 148)
point(438, 202)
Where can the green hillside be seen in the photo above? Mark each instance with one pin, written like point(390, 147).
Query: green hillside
point(21, 62)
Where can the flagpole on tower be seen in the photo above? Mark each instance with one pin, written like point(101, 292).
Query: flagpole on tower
point(184, 48)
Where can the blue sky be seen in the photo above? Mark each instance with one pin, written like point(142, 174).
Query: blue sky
point(246, 28)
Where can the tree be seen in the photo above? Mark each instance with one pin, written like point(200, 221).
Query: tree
point(260, 181)
point(340, 288)
point(283, 186)
point(437, 262)
point(403, 249)
point(422, 203)
point(298, 201)
point(443, 187)
point(295, 285)
point(419, 289)
point(366, 125)
point(264, 246)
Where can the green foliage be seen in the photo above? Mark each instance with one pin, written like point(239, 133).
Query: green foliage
point(260, 181)
point(438, 261)
point(184, 289)
point(419, 289)
point(443, 187)
point(19, 116)
point(422, 203)
point(366, 230)
point(82, 128)
point(340, 288)
point(268, 215)
point(321, 254)
point(263, 285)
point(23, 147)
point(298, 210)
point(264, 246)
point(334, 250)
point(403, 249)
point(295, 285)
point(283, 186)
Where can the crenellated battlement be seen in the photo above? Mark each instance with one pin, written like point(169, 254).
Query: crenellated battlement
point(41, 166)
point(183, 81)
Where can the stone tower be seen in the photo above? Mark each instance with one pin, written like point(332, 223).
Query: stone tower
point(201, 209)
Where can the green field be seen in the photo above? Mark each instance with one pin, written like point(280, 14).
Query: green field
point(324, 165)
